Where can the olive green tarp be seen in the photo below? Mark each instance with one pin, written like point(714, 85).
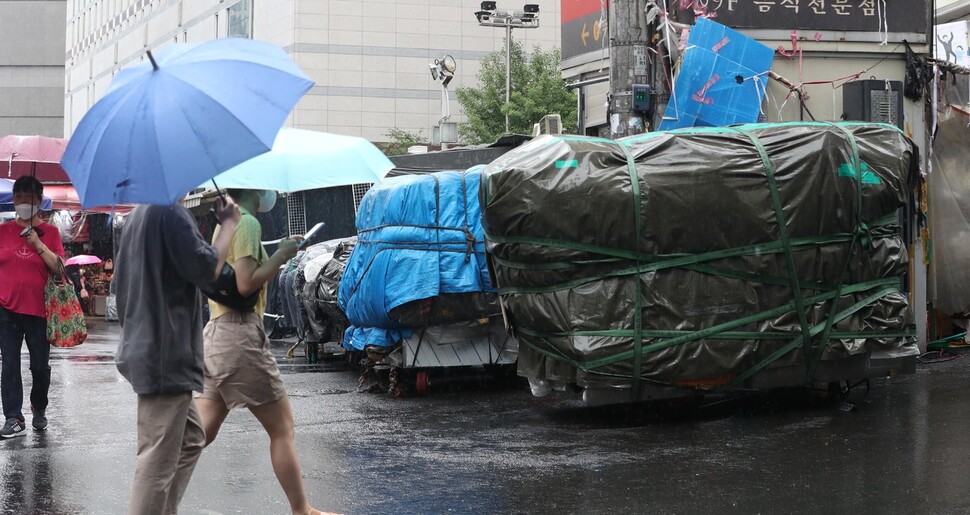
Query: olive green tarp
point(701, 256)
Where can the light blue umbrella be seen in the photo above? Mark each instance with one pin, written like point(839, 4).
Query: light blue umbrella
point(305, 160)
point(6, 197)
point(182, 117)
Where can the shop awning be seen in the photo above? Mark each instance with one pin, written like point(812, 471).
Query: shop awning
point(64, 196)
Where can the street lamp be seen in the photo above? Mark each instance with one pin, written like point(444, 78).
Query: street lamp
point(492, 16)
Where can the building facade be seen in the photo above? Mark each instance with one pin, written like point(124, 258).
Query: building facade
point(369, 59)
point(32, 67)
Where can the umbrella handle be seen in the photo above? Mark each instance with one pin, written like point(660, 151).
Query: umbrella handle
point(219, 191)
point(26, 231)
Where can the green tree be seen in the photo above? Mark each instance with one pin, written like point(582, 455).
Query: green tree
point(537, 90)
point(401, 140)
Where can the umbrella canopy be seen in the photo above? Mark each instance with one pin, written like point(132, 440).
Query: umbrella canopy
point(171, 122)
point(305, 160)
point(32, 155)
point(82, 260)
point(6, 197)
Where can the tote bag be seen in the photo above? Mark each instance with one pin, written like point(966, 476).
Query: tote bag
point(65, 320)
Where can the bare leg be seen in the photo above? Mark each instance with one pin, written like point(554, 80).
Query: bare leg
point(213, 414)
point(277, 418)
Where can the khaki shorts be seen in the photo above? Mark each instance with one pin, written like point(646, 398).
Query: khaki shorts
point(240, 370)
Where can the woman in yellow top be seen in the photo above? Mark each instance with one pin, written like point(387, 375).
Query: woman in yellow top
point(240, 370)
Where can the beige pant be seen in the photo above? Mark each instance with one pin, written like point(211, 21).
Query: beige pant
point(170, 440)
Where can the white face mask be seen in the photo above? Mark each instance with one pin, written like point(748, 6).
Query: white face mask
point(267, 200)
point(25, 211)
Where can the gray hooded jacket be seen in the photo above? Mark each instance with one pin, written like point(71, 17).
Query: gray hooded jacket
point(163, 258)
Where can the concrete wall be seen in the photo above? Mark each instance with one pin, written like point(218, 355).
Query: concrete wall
point(32, 67)
point(369, 59)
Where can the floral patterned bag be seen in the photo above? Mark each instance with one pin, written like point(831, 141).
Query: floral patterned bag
point(65, 320)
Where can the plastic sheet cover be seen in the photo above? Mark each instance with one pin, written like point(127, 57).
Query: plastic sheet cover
point(949, 196)
point(701, 256)
point(419, 259)
point(327, 321)
point(292, 282)
point(721, 81)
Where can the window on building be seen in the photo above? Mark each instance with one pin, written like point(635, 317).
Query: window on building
point(241, 20)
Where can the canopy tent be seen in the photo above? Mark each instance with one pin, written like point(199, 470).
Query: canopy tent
point(64, 196)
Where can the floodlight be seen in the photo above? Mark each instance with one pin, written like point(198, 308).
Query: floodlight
point(449, 64)
point(531, 8)
point(489, 6)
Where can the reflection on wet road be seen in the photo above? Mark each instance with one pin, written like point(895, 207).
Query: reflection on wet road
point(503, 451)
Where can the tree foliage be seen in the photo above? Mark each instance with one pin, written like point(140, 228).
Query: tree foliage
point(537, 90)
point(401, 140)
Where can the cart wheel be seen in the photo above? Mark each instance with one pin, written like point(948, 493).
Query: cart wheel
point(421, 382)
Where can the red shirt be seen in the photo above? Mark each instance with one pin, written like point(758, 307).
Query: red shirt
point(23, 273)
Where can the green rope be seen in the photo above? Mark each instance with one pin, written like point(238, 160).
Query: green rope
point(815, 330)
point(770, 247)
point(783, 231)
point(861, 233)
point(551, 350)
point(726, 326)
point(638, 313)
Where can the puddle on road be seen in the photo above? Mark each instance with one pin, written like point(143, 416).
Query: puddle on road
point(325, 391)
point(84, 358)
point(303, 367)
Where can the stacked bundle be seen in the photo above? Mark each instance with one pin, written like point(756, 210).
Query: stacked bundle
point(701, 256)
point(419, 259)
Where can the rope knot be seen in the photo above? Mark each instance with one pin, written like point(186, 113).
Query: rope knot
point(863, 234)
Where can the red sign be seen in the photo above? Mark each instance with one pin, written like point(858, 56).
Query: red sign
point(583, 26)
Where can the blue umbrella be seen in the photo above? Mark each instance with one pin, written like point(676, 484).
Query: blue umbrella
point(182, 117)
point(6, 197)
point(305, 160)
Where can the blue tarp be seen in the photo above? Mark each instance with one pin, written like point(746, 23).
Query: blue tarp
point(721, 81)
point(419, 236)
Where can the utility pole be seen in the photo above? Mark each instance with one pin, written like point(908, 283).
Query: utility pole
point(628, 65)
point(508, 72)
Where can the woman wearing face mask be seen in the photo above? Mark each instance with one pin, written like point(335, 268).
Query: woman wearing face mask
point(240, 370)
point(29, 252)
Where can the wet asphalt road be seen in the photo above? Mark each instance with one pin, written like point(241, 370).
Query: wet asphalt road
point(901, 450)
